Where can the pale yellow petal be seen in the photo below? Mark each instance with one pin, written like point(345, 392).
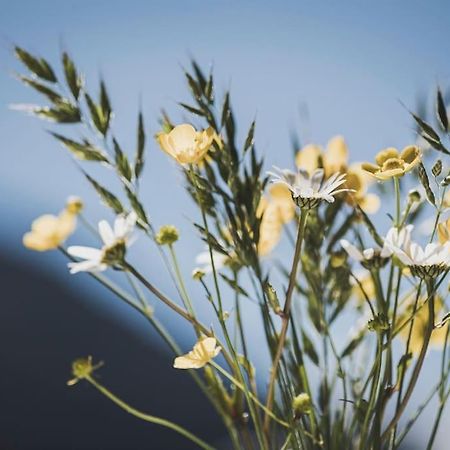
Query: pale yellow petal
point(370, 203)
point(34, 241)
point(45, 225)
point(336, 157)
point(183, 136)
point(185, 362)
point(308, 157)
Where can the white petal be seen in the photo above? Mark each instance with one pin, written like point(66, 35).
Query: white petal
point(368, 253)
point(351, 250)
point(86, 266)
point(106, 232)
point(84, 252)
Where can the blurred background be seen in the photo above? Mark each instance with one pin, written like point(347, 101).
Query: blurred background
point(320, 69)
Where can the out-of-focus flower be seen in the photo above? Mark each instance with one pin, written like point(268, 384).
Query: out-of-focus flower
point(185, 144)
point(113, 251)
point(364, 288)
point(359, 180)
point(390, 163)
point(333, 159)
point(203, 352)
point(49, 232)
point(203, 259)
point(443, 231)
point(309, 190)
point(276, 210)
point(421, 320)
point(167, 235)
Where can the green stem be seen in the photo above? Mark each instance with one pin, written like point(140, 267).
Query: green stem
point(242, 388)
point(184, 294)
point(147, 417)
point(397, 201)
point(418, 366)
point(286, 315)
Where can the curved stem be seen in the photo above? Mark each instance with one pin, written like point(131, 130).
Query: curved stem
point(147, 417)
point(285, 316)
point(417, 368)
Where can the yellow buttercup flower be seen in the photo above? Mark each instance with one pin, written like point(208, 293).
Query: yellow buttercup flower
point(203, 352)
point(333, 159)
point(48, 231)
point(359, 180)
point(276, 210)
point(390, 163)
point(420, 324)
point(185, 144)
point(443, 231)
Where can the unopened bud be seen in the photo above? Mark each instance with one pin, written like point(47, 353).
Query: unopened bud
point(74, 205)
point(198, 274)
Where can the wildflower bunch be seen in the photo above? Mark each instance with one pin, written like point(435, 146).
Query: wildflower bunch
point(326, 388)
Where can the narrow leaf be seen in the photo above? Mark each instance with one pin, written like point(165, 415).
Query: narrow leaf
point(139, 160)
point(38, 66)
point(107, 197)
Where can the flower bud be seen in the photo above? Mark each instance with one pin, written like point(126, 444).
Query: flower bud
point(198, 274)
point(378, 323)
point(414, 196)
point(74, 204)
point(301, 404)
point(167, 235)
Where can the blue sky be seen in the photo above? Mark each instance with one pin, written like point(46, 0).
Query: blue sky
point(351, 64)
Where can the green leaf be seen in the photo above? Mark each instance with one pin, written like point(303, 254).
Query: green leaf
point(437, 145)
point(84, 151)
point(107, 197)
point(426, 128)
point(192, 110)
point(250, 135)
point(225, 109)
point(74, 81)
point(39, 66)
point(423, 177)
point(53, 96)
point(105, 105)
point(441, 110)
point(62, 114)
point(121, 160)
point(137, 206)
point(96, 114)
point(139, 159)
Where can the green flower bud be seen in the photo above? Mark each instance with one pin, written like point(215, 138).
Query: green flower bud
point(414, 196)
point(167, 235)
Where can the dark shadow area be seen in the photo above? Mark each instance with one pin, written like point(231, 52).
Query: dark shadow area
point(43, 327)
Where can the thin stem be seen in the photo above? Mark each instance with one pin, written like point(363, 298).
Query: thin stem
point(418, 366)
point(286, 315)
point(147, 417)
point(184, 294)
point(242, 388)
point(397, 201)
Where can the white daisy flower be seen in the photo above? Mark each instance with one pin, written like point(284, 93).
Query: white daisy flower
point(308, 191)
point(425, 262)
point(113, 251)
point(203, 259)
point(377, 257)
